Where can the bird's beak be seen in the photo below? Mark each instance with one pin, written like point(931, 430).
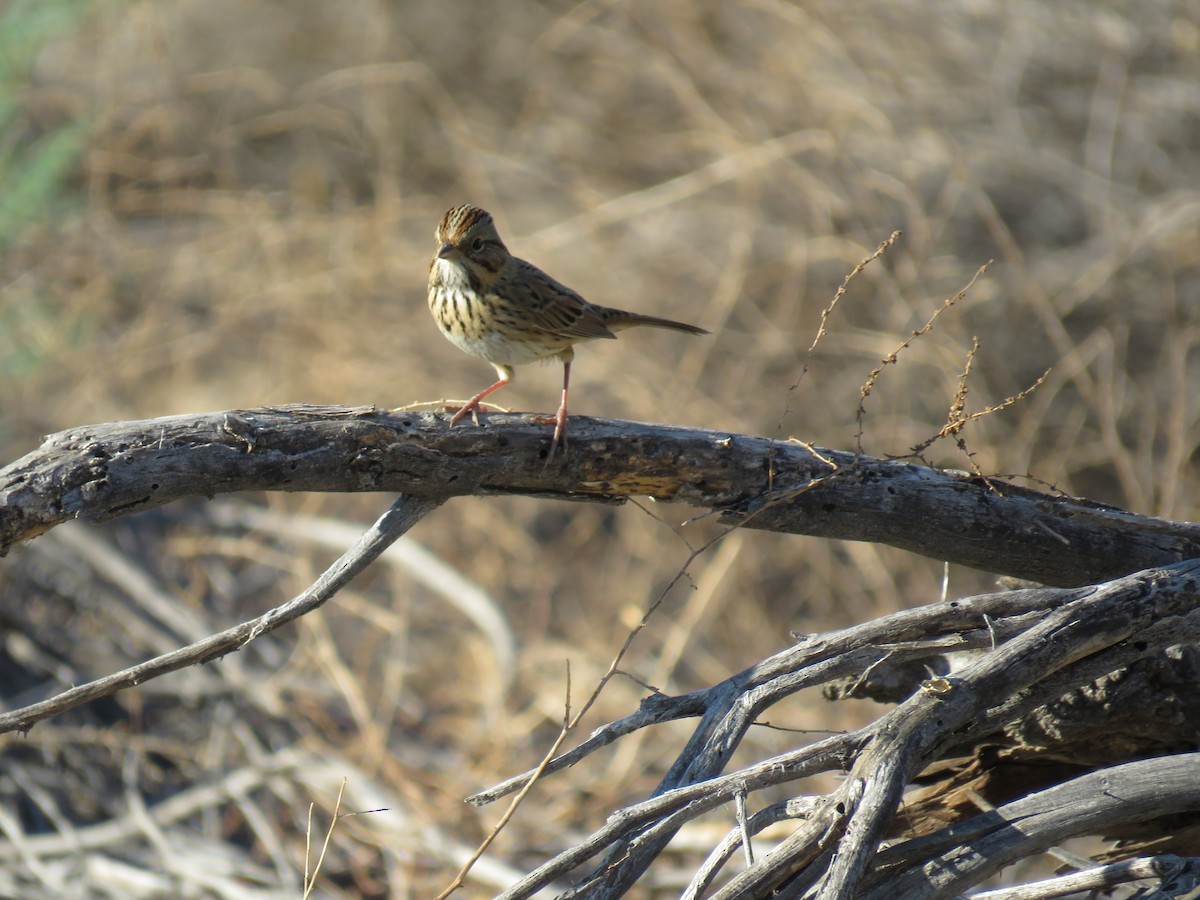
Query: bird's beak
point(446, 251)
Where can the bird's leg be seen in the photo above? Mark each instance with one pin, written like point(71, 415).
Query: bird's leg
point(472, 406)
point(560, 417)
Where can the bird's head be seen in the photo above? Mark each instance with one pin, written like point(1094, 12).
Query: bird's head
point(469, 247)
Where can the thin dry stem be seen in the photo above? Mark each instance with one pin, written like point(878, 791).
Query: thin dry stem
point(310, 883)
point(893, 358)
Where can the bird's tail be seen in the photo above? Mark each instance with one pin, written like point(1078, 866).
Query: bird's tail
point(618, 319)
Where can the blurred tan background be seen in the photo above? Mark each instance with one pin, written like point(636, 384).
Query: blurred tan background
point(211, 204)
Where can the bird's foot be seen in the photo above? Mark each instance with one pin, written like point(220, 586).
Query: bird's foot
point(471, 407)
point(559, 421)
point(460, 411)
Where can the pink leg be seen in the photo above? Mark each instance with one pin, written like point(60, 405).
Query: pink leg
point(560, 418)
point(472, 405)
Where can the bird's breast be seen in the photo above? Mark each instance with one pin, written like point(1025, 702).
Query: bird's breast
point(481, 325)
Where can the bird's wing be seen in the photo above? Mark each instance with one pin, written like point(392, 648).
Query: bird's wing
point(554, 308)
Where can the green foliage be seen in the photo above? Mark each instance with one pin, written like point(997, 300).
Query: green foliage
point(36, 160)
point(34, 165)
point(31, 333)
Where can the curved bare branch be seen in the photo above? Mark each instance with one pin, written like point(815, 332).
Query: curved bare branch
point(103, 471)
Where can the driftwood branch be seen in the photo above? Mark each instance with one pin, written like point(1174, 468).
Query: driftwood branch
point(1045, 642)
point(400, 517)
point(1176, 876)
point(101, 471)
point(1092, 803)
point(1034, 646)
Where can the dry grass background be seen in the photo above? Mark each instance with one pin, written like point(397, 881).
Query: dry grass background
point(248, 220)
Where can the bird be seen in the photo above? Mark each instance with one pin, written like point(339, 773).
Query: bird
point(509, 312)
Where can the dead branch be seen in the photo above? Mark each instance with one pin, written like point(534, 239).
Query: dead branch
point(1047, 641)
point(99, 472)
point(1176, 876)
point(1034, 645)
point(1094, 803)
point(401, 516)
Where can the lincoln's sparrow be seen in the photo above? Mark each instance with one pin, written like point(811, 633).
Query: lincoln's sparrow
point(510, 312)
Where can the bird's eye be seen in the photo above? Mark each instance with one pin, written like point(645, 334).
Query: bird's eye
point(477, 244)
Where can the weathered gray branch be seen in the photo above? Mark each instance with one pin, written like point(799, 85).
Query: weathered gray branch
point(101, 471)
point(1038, 642)
point(1133, 792)
point(1176, 876)
point(399, 518)
point(1046, 641)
